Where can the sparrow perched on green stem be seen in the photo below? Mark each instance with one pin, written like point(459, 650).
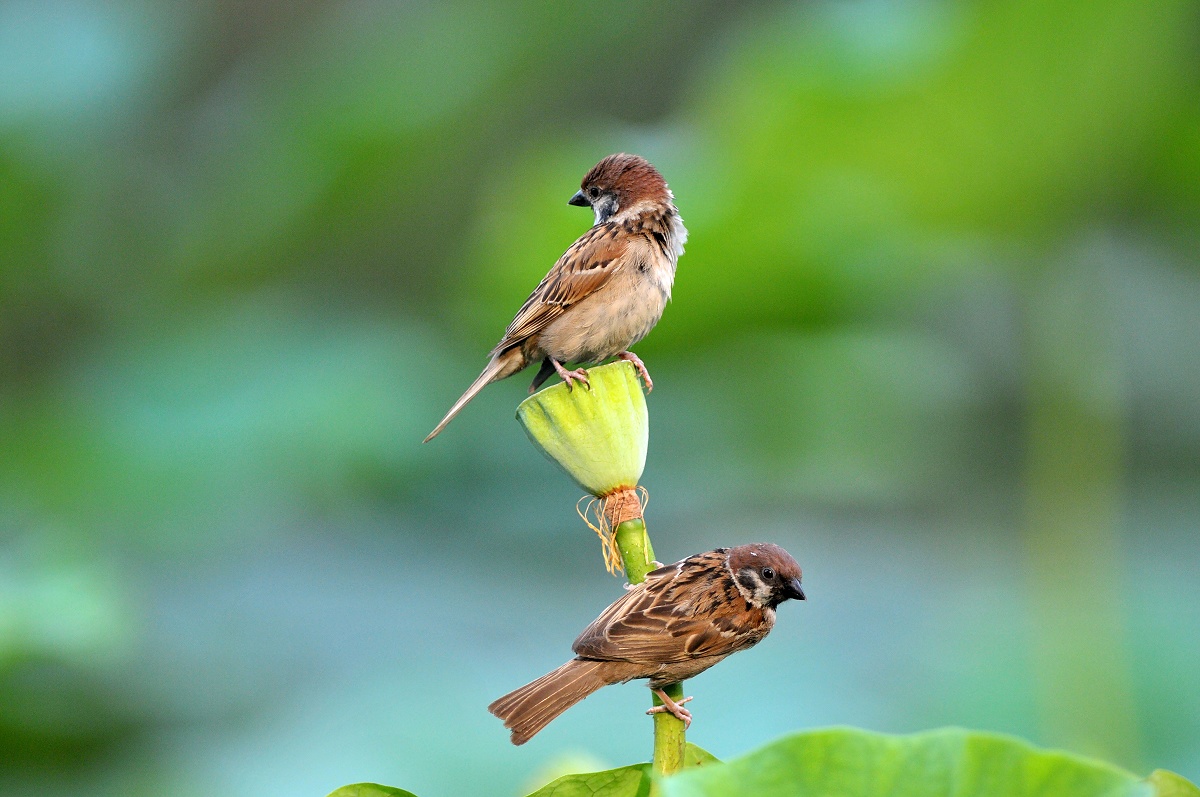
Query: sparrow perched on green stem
point(681, 620)
point(606, 292)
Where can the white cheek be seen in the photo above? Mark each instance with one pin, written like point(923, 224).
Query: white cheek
point(762, 594)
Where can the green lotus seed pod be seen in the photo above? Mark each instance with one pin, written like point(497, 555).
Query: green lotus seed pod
point(598, 435)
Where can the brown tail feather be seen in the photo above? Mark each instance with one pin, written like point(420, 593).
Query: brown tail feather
point(527, 710)
point(502, 365)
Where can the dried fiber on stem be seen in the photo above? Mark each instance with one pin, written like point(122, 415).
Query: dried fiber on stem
point(605, 515)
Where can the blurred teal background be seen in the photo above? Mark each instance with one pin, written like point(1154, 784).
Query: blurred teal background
point(937, 332)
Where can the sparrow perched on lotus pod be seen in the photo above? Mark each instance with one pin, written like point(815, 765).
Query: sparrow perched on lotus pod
point(681, 620)
point(606, 292)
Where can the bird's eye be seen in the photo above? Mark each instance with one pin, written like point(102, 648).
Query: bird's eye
point(768, 573)
point(593, 192)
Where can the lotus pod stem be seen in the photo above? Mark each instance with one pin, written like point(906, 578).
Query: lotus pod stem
point(599, 435)
point(633, 544)
point(669, 738)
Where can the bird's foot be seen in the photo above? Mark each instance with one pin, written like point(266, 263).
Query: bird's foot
point(640, 366)
point(578, 375)
point(675, 707)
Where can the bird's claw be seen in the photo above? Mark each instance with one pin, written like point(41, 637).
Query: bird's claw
point(579, 374)
point(674, 707)
point(629, 356)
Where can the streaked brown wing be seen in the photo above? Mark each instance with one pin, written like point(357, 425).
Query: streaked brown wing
point(637, 601)
point(683, 611)
point(584, 268)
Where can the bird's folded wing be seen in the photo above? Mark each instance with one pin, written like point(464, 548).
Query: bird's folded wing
point(582, 270)
point(679, 613)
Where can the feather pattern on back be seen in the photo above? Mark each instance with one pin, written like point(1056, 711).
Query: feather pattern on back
point(584, 268)
point(691, 609)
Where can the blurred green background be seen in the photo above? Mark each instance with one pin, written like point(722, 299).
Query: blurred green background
point(937, 332)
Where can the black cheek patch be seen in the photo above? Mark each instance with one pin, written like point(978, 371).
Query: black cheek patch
point(748, 581)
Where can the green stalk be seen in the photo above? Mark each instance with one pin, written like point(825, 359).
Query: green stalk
point(634, 544)
point(669, 739)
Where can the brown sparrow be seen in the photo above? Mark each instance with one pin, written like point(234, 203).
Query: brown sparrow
point(681, 620)
point(606, 292)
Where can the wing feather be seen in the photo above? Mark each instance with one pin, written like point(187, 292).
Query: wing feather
point(583, 269)
point(677, 614)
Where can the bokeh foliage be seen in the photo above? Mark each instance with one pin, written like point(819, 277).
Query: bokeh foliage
point(937, 331)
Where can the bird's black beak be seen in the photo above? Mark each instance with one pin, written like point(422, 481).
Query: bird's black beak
point(580, 200)
point(794, 590)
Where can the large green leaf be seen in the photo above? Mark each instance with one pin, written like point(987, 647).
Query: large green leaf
point(845, 762)
point(942, 763)
point(633, 781)
point(1168, 784)
point(694, 756)
point(370, 790)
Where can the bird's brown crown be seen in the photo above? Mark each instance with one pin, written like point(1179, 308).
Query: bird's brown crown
point(631, 177)
point(766, 575)
point(764, 554)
